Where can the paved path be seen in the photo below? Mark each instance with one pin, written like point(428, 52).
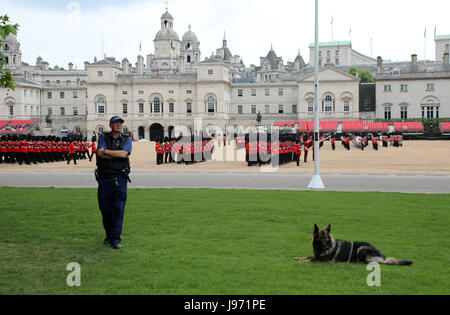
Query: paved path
point(265, 181)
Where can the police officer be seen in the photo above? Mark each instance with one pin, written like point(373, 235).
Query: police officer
point(113, 168)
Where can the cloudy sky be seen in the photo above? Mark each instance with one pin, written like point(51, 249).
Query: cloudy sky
point(63, 31)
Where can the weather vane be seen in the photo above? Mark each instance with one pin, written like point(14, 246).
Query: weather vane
point(166, 3)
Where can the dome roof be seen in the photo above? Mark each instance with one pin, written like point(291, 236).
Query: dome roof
point(167, 16)
point(167, 34)
point(190, 36)
point(11, 39)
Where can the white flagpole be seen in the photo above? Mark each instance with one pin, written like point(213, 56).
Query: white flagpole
point(316, 182)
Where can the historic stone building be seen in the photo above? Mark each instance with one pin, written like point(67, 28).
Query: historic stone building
point(174, 87)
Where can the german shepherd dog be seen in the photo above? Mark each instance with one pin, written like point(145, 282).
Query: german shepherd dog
point(328, 249)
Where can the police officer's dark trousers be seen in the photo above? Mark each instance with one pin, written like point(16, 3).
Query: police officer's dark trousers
point(112, 197)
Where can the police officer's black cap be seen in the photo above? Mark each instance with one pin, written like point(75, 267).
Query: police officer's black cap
point(116, 118)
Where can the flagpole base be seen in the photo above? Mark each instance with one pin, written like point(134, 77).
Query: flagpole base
point(316, 183)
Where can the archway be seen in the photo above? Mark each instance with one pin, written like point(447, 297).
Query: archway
point(141, 133)
point(156, 131)
point(171, 133)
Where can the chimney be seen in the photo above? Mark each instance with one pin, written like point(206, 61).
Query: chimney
point(445, 58)
point(140, 65)
point(379, 64)
point(125, 65)
point(70, 66)
point(414, 59)
point(86, 63)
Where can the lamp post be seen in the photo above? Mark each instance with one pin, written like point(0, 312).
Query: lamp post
point(316, 182)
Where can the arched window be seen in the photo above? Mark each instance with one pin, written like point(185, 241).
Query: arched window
point(188, 58)
point(101, 106)
point(156, 105)
point(211, 104)
point(328, 104)
point(188, 46)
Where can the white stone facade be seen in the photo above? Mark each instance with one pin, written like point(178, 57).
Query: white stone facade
point(173, 87)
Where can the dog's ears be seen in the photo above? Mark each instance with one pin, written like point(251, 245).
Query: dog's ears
point(328, 229)
point(316, 229)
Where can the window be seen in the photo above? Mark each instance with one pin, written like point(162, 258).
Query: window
point(253, 109)
point(240, 93)
point(189, 108)
point(157, 105)
point(141, 108)
point(336, 62)
point(11, 110)
point(49, 111)
point(447, 46)
point(125, 108)
point(140, 92)
point(62, 111)
point(124, 92)
point(267, 92)
point(387, 112)
point(310, 106)
point(328, 104)
point(188, 91)
point(58, 81)
point(328, 53)
point(171, 91)
point(240, 111)
point(25, 92)
point(337, 52)
point(404, 112)
point(211, 104)
point(61, 94)
point(210, 72)
point(188, 59)
point(404, 88)
point(171, 108)
point(430, 112)
point(388, 88)
point(75, 111)
point(49, 95)
point(280, 92)
point(68, 82)
point(346, 106)
point(75, 94)
point(294, 109)
point(100, 73)
point(101, 106)
point(280, 109)
point(430, 87)
point(253, 92)
point(267, 109)
point(320, 62)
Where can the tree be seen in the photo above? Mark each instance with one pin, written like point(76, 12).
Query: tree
point(364, 75)
point(6, 78)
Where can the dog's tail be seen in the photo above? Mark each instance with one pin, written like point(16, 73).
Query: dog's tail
point(397, 262)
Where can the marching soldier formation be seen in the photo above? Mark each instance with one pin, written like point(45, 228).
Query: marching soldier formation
point(183, 150)
point(20, 149)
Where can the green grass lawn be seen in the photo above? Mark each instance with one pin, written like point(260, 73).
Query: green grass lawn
point(219, 242)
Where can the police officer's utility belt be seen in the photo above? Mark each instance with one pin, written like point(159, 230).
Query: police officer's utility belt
point(108, 175)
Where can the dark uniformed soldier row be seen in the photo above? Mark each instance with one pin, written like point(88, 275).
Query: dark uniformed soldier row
point(43, 149)
point(261, 149)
